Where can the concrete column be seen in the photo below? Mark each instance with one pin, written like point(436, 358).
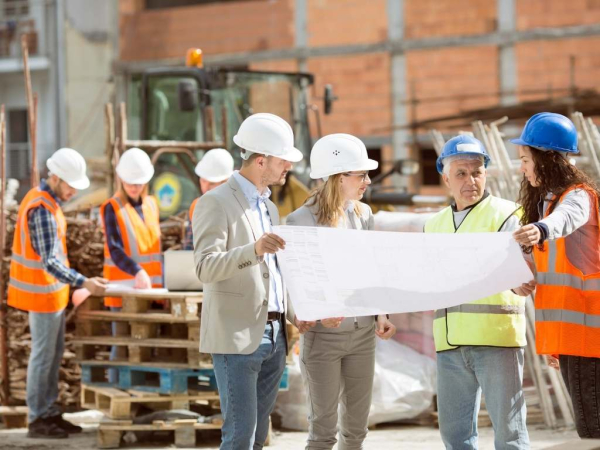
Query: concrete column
point(399, 85)
point(301, 27)
point(507, 65)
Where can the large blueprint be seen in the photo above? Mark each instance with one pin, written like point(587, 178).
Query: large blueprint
point(332, 272)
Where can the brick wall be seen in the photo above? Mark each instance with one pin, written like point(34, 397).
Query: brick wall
point(545, 65)
point(335, 22)
point(556, 13)
point(452, 72)
point(432, 18)
point(362, 83)
point(216, 28)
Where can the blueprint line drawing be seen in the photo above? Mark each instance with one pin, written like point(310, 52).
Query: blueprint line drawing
point(332, 272)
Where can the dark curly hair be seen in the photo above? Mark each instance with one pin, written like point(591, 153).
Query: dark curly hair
point(555, 174)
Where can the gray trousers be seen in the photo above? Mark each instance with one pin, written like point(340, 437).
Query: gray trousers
point(338, 370)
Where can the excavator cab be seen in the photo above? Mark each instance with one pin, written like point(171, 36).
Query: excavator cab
point(204, 105)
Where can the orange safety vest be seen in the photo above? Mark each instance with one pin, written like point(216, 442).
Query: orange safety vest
point(191, 211)
point(31, 287)
point(567, 302)
point(141, 242)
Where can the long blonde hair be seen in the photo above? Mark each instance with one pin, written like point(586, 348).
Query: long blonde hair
point(330, 203)
point(123, 194)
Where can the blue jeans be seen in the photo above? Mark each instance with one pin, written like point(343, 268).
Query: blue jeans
point(463, 374)
point(248, 386)
point(113, 374)
point(47, 348)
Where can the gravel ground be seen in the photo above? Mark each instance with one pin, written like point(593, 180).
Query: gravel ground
point(386, 437)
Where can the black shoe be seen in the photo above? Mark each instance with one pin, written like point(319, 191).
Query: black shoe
point(65, 424)
point(45, 429)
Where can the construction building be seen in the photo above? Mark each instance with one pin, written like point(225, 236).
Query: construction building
point(392, 63)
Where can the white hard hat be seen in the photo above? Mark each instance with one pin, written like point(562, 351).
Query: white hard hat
point(135, 167)
point(216, 165)
point(339, 153)
point(68, 165)
point(269, 135)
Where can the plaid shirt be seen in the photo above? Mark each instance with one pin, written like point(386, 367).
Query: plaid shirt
point(188, 239)
point(44, 240)
point(114, 239)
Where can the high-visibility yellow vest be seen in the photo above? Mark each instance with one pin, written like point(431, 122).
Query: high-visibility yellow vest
point(494, 321)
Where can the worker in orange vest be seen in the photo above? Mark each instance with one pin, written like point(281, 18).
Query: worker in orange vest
point(561, 227)
point(214, 169)
point(132, 254)
point(39, 283)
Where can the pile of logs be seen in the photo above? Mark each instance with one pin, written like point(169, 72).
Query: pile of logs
point(85, 247)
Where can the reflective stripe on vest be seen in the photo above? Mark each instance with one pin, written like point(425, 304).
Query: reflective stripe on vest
point(471, 308)
point(31, 287)
point(572, 317)
point(567, 302)
point(497, 320)
point(35, 288)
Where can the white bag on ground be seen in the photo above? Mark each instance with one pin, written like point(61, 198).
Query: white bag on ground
point(404, 385)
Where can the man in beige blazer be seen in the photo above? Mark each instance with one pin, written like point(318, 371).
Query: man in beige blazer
point(245, 304)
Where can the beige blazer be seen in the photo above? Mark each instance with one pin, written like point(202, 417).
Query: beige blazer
point(307, 216)
point(236, 283)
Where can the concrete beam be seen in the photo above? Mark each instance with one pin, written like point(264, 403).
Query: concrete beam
point(497, 38)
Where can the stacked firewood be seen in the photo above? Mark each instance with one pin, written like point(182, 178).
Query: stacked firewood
point(85, 247)
point(173, 232)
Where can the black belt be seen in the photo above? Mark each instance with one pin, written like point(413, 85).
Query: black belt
point(274, 316)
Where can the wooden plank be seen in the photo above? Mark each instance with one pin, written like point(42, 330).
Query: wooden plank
point(149, 316)
point(160, 294)
point(118, 340)
point(156, 427)
point(109, 438)
point(135, 396)
point(14, 416)
point(164, 365)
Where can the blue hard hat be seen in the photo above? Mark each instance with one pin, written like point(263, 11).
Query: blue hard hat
point(549, 131)
point(462, 145)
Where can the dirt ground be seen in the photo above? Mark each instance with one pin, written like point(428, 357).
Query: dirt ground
point(386, 437)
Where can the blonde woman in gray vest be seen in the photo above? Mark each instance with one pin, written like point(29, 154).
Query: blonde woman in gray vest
point(337, 355)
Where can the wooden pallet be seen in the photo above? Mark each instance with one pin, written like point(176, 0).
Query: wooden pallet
point(120, 404)
point(159, 352)
point(176, 307)
point(151, 379)
point(184, 431)
point(168, 335)
point(14, 416)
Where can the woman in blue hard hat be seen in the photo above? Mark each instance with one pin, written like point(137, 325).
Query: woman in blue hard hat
point(561, 228)
point(337, 356)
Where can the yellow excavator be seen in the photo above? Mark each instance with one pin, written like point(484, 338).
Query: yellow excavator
point(178, 113)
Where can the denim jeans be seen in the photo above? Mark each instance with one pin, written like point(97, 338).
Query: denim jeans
point(113, 374)
point(47, 348)
point(582, 378)
point(466, 372)
point(248, 386)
